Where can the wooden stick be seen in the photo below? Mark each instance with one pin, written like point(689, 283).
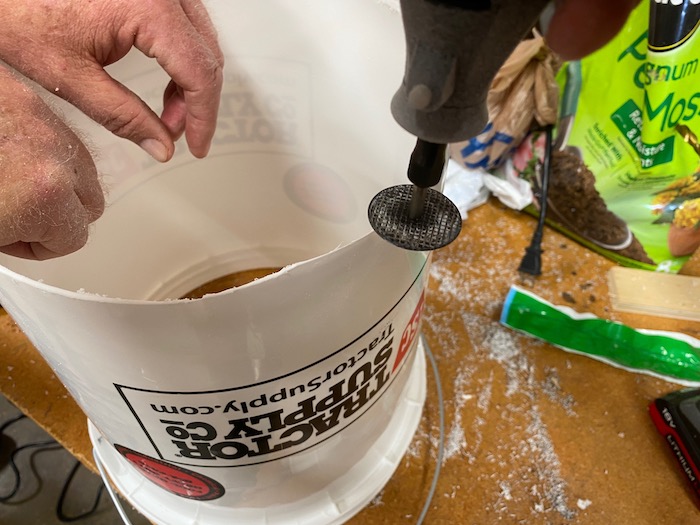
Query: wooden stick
point(655, 293)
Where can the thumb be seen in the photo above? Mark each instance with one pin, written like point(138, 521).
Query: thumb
point(117, 108)
point(579, 27)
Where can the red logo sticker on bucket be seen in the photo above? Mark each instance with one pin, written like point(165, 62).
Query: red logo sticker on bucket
point(410, 332)
point(177, 480)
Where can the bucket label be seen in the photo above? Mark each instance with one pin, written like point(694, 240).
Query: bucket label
point(283, 416)
point(266, 108)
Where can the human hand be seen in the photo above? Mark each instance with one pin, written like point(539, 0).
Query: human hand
point(49, 190)
point(579, 27)
point(64, 45)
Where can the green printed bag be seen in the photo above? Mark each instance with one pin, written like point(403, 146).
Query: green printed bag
point(629, 113)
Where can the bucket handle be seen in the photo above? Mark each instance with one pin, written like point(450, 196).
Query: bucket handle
point(108, 485)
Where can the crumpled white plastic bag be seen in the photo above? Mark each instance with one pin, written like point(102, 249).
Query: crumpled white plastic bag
point(469, 188)
point(510, 189)
point(465, 187)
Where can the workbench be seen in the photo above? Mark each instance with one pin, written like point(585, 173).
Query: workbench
point(533, 434)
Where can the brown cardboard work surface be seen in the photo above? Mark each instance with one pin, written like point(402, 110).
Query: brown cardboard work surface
point(534, 434)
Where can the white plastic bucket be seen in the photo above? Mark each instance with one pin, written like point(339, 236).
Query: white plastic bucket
point(287, 400)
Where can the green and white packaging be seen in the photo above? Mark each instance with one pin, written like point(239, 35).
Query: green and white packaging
point(671, 356)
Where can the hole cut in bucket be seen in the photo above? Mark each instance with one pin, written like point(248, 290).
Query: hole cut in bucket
point(228, 281)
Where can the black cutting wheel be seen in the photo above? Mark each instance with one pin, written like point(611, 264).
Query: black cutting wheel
point(438, 225)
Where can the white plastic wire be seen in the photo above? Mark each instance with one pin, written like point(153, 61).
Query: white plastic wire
point(441, 424)
point(108, 486)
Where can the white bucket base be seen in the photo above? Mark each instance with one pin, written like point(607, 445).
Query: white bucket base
point(361, 483)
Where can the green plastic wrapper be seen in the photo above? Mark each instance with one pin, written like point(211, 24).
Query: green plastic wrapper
point(669, 355)
point(631, 112)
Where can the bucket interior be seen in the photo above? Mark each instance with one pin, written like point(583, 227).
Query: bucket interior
point(304, 140)
point(204, 219)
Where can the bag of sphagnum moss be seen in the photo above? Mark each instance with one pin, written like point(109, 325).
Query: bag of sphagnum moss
point(625, 176)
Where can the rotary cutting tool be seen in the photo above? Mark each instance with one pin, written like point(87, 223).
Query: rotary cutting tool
point(454, 48)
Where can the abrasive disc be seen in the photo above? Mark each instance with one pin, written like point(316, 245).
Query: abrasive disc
point(390, 216)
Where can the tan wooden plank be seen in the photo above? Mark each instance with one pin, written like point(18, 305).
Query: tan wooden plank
point(655, 293)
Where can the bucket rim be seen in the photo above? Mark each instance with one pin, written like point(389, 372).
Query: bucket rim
point(84, 295)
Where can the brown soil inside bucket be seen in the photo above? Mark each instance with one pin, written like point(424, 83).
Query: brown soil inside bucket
point(228, 281)
point(577, 205)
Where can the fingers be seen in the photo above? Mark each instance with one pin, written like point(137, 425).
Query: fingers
point(68, 233)
point(183, 41)
point(49, 189)
point(119, 110)
point(82, 38)
point(57, 232)
point(44, 226)
point(185, 46)
point(59, 239)
point(86, 183)
point(579, 27)
point(199, 17)
point(174, 114)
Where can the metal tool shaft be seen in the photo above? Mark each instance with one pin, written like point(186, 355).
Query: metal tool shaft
point(417, 204)
point(424, 170)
